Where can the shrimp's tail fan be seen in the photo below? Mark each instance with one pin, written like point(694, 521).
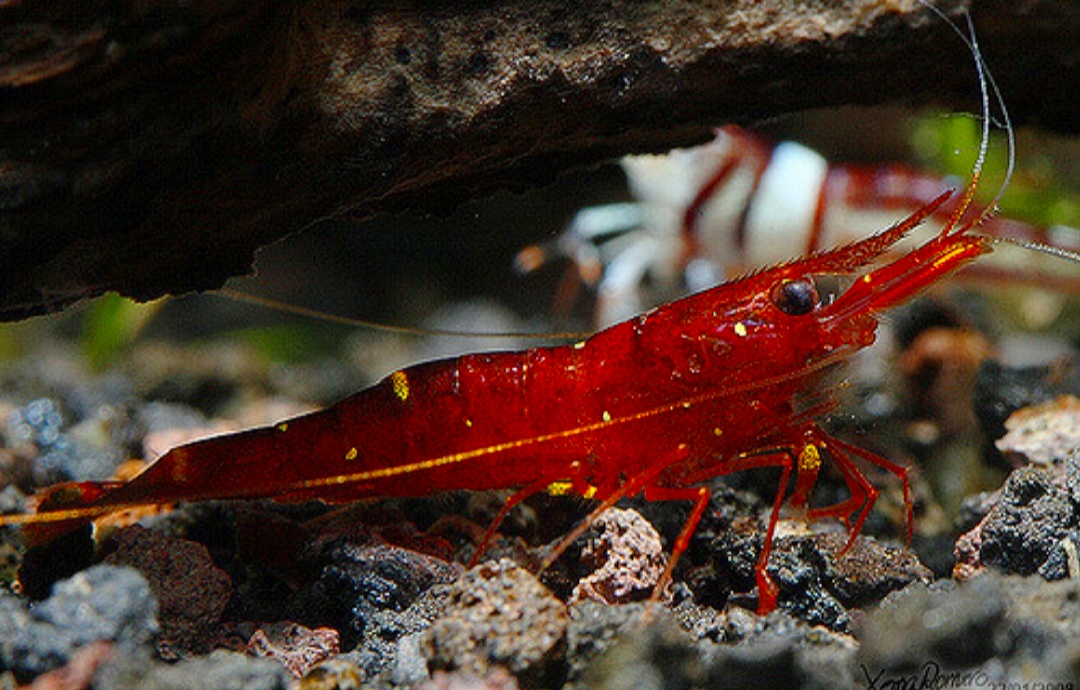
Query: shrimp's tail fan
point(61, 509)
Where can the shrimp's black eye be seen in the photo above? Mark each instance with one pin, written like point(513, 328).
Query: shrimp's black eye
point(795, 297)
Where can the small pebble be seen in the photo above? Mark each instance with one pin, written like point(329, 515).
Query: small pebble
point(627, 558)
point(1043, 434)
point(297, 648)
point(103, 603)
point(190, 589)
point(499, 614)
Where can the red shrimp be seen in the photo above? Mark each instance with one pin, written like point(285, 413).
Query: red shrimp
point(708, 385)
point(726, 380)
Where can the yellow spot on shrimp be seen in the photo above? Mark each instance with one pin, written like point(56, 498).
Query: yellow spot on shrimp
point(559, 488)
point(606, 416)
point(564, 488)
point(352, 454)
point(400, 381)
point(717, 431)
point(468, 422)
point(579, 344)
point(809, 458)
point(283, 426)
point(740, 329)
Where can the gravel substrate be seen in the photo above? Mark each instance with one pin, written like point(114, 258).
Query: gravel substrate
point(252, 594)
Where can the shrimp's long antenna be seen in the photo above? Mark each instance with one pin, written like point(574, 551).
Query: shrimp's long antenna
point(1052, 250)
point(285, 307)
point(987, 85)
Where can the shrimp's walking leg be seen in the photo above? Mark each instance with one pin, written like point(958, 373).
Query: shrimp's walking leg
point(863, 493)
point(609, 495)
point(783, 457)
point(862, 499)
point(768, 592)
point(700, 495)
point(576, 477)
point(898, 470)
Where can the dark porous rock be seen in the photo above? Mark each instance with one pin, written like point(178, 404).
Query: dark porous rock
point(191, 591)
point(499, 614)
point(104, 603)
point(1064, 559)
point(387, 647)
point(798, 567)
point(373, 594)
point(221, 670)
point(943, 621)
point(1035, 512)
point(998, 628)
point(818, 580)
point(652, 653)
point(868, 571)
point(391, 577)
point(728, 568)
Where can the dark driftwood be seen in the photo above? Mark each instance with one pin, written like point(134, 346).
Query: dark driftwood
point(151, 147)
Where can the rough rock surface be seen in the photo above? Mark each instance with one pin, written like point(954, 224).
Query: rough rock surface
point(1032, 526)
point(500, 615)
point(191, 591)
point(104, 603)
point(992, 625)
point(150, 149)
point(626, 556)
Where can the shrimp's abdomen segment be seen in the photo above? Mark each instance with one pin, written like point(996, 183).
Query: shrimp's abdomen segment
point(475, 422)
